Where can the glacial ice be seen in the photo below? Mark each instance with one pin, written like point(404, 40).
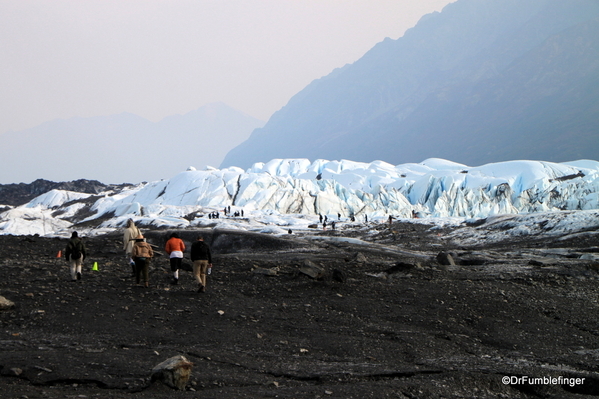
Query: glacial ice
point(434, 188)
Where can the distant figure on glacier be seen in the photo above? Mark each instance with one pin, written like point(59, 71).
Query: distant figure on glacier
point(338, 216)
point(320, 218)
point(333, 225)
point(129, 236)
point(324, 226)
point(366, 218)
point(390, 220)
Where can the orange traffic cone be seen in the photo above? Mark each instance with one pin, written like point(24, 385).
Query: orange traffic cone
point(59, 254)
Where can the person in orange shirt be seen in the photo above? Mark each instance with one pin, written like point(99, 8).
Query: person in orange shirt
point(175, 248)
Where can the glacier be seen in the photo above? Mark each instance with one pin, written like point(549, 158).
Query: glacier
point(291, 193)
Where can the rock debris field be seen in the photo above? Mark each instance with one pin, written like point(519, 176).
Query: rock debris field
point(392, 311)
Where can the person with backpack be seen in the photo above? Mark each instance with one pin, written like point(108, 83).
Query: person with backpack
point(75, 254)
point(142, 254)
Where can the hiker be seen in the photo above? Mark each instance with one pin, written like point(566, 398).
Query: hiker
point(75, 254)
point(142, 253)
point(202, 261)
point(175, 248)
point(131, 232)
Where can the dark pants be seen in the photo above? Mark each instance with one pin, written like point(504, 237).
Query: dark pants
point(142, 267)
point(176, 264)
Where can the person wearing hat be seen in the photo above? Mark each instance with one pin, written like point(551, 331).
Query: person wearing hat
point(142, 253)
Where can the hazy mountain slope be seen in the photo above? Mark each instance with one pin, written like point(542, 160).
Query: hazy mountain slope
point(122, 148)
point(539, 107)
point(397, 101)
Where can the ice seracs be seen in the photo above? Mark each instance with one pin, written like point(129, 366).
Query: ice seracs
point(281, 192)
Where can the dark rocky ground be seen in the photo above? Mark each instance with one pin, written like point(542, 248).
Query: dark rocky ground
point(414, 330)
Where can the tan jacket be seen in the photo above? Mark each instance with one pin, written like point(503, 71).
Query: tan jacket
point(142, 250)
point(129, 237)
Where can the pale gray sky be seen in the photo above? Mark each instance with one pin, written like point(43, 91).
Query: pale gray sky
point(154, 58)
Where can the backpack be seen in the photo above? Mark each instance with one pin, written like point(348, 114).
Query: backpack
point(77, 250)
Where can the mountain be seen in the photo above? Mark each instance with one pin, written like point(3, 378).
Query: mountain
point(291, 193)
point(19, 194)
point(122, 148)
point(482, 81)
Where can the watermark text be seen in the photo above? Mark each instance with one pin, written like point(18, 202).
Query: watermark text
point(526, 380)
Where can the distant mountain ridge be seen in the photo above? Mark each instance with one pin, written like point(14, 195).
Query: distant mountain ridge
point(19, 194)
point(123, 148)
point(482, 81)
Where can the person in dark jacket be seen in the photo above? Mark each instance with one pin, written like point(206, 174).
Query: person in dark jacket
point(74, 254)
point(202, 261)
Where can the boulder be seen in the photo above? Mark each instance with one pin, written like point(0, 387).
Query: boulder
point(360, 258)
point(445, 259)
point(6, 303)
point(173, 372)
point(311, 269)
point(472, 261)
point(400, 267)
point(534, 262)
point(264, 271)
point(339, 276)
